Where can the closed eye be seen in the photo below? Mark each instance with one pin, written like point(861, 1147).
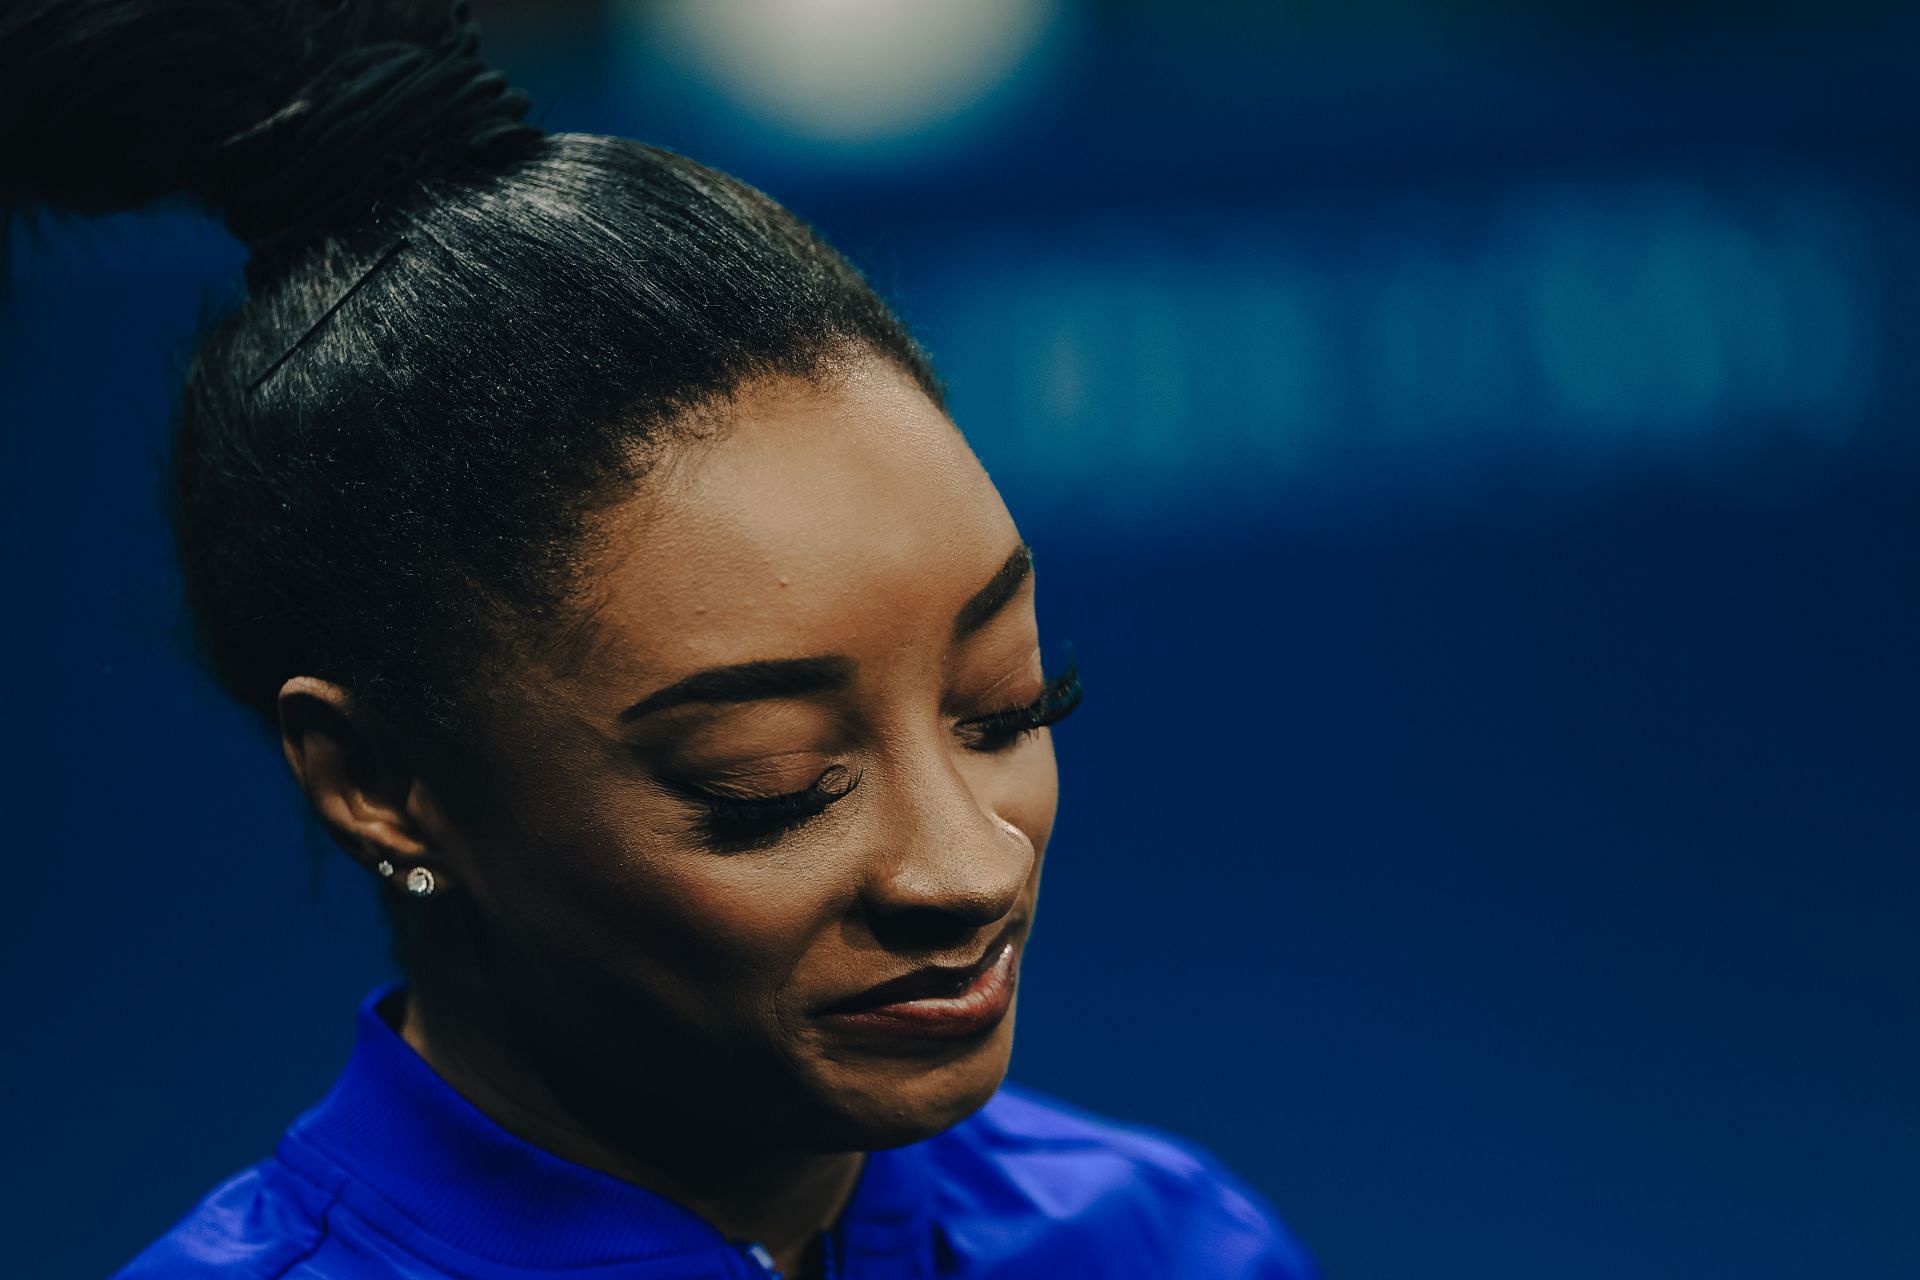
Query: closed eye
point(737, 824)
point(1001, 729)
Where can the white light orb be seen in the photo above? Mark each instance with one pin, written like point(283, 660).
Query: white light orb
point(849, 71)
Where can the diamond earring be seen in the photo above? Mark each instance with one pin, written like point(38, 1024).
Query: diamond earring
point(420, 882)
point(384, 867)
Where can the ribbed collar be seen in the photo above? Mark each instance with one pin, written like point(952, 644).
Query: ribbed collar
point(392, 1125)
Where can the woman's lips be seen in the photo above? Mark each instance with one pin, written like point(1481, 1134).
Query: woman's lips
point(974, 1005)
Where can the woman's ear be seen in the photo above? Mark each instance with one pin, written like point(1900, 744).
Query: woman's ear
point(373, 804)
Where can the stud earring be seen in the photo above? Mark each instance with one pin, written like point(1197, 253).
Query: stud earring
point(420, 882)
point(384, 867)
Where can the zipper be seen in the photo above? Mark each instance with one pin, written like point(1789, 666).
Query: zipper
point(758, 1254)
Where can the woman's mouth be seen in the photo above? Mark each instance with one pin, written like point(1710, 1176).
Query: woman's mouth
point(934, 1003)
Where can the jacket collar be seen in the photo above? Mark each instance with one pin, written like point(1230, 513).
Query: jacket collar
point(391, 1124)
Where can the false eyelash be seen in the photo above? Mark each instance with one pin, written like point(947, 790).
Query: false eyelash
point(736, 823)
point(1001, 729)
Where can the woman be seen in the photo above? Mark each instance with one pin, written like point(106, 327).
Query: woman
point(596, 545)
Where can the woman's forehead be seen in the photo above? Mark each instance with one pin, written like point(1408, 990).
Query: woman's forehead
point(826, 518)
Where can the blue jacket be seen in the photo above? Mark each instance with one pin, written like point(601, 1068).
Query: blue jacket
point(395, 1176)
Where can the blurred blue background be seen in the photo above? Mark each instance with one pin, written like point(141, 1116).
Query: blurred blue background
point(1469, 448)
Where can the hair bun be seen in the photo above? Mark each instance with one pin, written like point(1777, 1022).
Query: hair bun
point(377, 117)
point(288, 117)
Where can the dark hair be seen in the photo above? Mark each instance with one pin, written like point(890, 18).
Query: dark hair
point(461, 337)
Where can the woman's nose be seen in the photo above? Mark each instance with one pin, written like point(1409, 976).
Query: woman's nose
point(946, 866)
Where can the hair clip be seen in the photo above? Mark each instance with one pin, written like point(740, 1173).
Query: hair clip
point(328, 314)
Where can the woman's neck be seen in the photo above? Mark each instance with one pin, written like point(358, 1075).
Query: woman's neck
point(783, 1200)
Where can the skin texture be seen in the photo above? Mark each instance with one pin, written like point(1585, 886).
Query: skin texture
point(595, 975)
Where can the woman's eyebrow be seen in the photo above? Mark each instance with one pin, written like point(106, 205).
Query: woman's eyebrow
point(1000, 588)
point(792, 677)
point(749, 682)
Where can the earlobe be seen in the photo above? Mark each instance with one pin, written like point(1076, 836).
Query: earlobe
point(367, 800)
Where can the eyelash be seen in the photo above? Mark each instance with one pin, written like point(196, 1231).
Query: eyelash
point(733, 824)
point(1001, 729)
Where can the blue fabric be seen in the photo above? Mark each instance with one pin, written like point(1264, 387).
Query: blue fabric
point(395, 1176)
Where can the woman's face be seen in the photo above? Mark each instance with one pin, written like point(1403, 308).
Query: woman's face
point(823, 601)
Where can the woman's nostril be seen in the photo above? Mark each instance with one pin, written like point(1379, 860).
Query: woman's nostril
point(922, 928)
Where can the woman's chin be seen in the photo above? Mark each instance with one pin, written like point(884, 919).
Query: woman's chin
point(879, 1100)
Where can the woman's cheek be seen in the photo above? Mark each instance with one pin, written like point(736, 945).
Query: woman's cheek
point(1026, 794)
point(732, 921)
